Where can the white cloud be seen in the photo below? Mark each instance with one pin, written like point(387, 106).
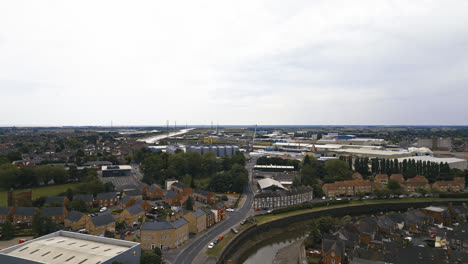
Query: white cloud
point(268, 62)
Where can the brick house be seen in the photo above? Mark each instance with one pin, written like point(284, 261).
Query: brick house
point(76, 220)
point(333, 251)
point(203, 196)
point(181, 189)
point(196, 219)
point(457, 185)
point(107, 199)
point(349, 188)
point(398, 177)
point(125, 202)
point(382, 179)
point(142, 187)
point(87, 198)
point(154, 192)
point(136, 194)
point(23, 215)
point(62, 200)
point(164, 234)
point(132, 213)
point(219, 210)
point(143, 203)
point(6, 213)
point(173, 198)
point(210, 218)
point(99, 224)
point(412, 184)
point(56, 213)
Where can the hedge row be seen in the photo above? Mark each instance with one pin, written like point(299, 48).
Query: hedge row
point(304, 206)
point(454, 195)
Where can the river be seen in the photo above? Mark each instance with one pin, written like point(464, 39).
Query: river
point(154, 139)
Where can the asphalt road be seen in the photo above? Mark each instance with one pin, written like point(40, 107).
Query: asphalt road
point(199, 245)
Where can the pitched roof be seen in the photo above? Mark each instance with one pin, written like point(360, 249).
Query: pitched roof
point(397, 177)
point(417, 179)
point(101, 220)
point(133, 193)
point(153, 188)
point(52, 211)
point(142, 185)
point(135, 209)
point(85, 197)
point(54, 199)
point(202, 192)
point(107, 196)
point(219, 206)
point(170, 194)
point(199, 212)
point(178, 185)
point(5, 210)
point(125, 200)
point(163, 225)
point(74, 216)
point(25, 211)
point(381, 177)
point(207, 211)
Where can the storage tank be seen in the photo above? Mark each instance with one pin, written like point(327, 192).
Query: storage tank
point(221, 151)
point(235, 149)
point(205, 150)
point(229, 150)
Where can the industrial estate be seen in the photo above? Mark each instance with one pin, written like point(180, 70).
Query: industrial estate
point(117, 195)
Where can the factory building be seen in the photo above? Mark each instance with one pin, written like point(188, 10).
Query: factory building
point(69, 247)
point(454, 163)
point(116, 170)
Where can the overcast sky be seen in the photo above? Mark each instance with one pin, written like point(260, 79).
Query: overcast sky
point(234, 62)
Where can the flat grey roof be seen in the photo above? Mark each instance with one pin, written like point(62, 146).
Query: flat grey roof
point(70, 248)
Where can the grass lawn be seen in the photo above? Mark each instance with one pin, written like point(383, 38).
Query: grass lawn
point(216, 250)
point(38, 191)
point(270, 217)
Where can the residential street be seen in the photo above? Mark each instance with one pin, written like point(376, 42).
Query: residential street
point(194, 252)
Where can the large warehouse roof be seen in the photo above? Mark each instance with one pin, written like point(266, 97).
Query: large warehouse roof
point(69, 247)
point(452, 162)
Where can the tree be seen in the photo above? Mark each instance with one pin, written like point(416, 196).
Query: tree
point(149, 258)
point(189, 204)
point(393, 185)
point(78, 205)
point(43, 225)
point(69, 194)
point(8, 230)
point(338, 170)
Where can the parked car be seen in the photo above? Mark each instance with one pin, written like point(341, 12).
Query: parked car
point(242, 222)
point(230, 210)
point(128, 233)
point(103, 209)
point(220, 238)
point(215, 241)
point(211, 245)
point(234, 230)
point(338, 199)
point(270, 211)
point(324, 198)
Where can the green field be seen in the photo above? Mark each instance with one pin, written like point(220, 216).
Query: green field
point(39, 191)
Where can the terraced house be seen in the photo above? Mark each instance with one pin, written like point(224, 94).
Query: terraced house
point(56, 213)
point(196, 219)
point(283, 198)
point(107, 199)
point(165, 235)
point(154, 192)
point(23, 215)
point(349, 188)
point(457, 185)
point(6, 213)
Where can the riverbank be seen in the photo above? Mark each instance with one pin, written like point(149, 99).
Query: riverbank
point(289, 254)
point(246, 240)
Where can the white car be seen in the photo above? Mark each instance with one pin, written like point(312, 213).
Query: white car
point(211, 245)
point(230, 210)
point(103, 209)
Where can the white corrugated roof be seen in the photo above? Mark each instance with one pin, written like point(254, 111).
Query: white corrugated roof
point(265, 183)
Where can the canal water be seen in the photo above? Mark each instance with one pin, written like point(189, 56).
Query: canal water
point(265, 248)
